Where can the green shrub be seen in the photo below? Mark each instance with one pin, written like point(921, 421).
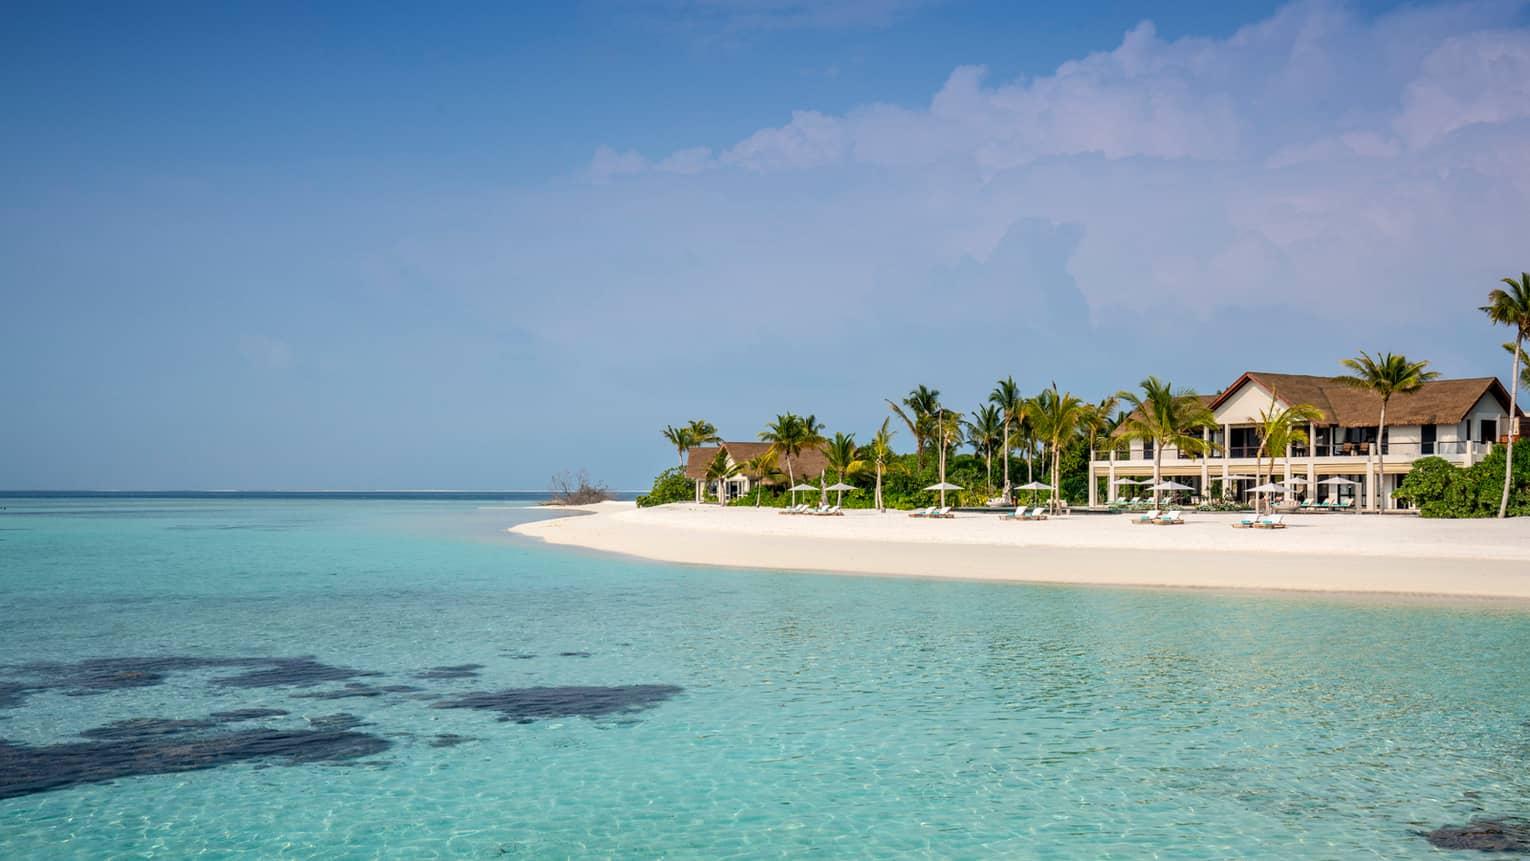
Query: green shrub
point(670, 486)
point(1439, 489)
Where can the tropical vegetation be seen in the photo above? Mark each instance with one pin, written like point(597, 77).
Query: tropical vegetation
point(1511, 307)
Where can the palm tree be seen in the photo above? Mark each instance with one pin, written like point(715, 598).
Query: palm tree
point(720, 469)
point(1384, 375)
point(879, 452)
point(760, 469)
point(842, 456)
point(1511, 307)
point(1006, 396)
point(1097, 420)
point(1279, 429)
point(985, 431)
point(1057, 417)
point(1165, 417)
point(787, 438)
point(703, 431)
point(681, 438)
point(922, 404)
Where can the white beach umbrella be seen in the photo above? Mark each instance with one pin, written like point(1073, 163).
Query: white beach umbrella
point(1170, 485)
point(840, 488)
point(1033, 487)
point(1339, 481)
point(943, 487)
point(801, 485)
point(1296, 480)
point(1270, 487)
point(1127, 481)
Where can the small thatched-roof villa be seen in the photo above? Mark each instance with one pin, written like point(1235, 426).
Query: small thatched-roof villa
point(808, 463)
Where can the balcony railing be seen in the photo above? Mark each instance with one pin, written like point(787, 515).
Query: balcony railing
point(1449, 449)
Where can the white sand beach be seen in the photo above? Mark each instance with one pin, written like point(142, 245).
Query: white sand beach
point(1322, 553)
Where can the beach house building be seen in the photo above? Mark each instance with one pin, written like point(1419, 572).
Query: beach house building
point(1458, 420)
point(808, 464)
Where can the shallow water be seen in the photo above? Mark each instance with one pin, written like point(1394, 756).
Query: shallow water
point(630, 709)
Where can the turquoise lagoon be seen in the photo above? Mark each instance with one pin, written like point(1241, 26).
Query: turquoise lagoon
point(785, 715)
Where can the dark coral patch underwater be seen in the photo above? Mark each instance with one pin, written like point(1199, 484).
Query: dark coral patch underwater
point(524, 705)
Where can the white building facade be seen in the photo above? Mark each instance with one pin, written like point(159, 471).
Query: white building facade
point(1459, 420)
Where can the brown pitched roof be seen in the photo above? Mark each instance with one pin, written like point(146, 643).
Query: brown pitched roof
point(806, 463)
point(1438, 402)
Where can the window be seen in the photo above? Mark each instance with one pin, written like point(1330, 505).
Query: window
point(1489, 431)
point(1427, 436)
point(1147, 449)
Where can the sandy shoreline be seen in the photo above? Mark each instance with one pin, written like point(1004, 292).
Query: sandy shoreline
point(1319, 553)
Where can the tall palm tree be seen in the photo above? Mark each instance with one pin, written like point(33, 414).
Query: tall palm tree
point(1511, 307)
point(985, 431)
point(1025, 432)
point(681, 438)
point(1278, 430)
point(1006, 396)
point(918, 411)
point(842, 456)
point(1384, 375)
point(1057, 416)
point(720, 469)
point(703, 431)
point(880, 454)
point(787, 438)
point(760, 469)
point(1097, 420)
point(1165, 417)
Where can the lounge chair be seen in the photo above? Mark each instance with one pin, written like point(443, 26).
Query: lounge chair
point(1245, 522)
point(831, 511)
point(1017, 514)
point(795, 509)
point(1173, 518)
point(943, 513)
point(1145, 517)
point(1278, 521)
point(1037, 513)
point(922, 512)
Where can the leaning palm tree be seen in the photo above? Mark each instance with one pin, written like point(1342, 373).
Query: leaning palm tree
point(720, 469)
point(918, 411)
point(787, 438)
point(1279, 429)
point(880, 454)
point(760, 469)
point(1384, 375)
point(985, 431)
point(841, 455)
point(681, 438)
point(1006, 396)
point(1165, 417)
point(1057, 417)
point(1511, 307)
point(703, 431)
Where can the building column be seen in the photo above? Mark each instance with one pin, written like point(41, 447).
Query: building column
point(1110, 483)
point(1311, 461)
point(1094, 481)
point(1226, 455)
point(1370, 483)
point(1206, 466)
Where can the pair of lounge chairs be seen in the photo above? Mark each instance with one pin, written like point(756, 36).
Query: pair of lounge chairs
point(1023, 513)
point(933, 511)
point(829, 511)
point(1311, 505)
point(1273, 521)
point(1160, 518)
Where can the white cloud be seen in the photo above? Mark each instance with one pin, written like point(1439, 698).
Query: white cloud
point(1480, 78)
point(608, 163)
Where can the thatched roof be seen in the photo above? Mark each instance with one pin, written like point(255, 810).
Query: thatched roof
point(1438, 402)
point(806, 463)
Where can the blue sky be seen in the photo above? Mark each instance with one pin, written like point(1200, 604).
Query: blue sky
point(343, 246)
